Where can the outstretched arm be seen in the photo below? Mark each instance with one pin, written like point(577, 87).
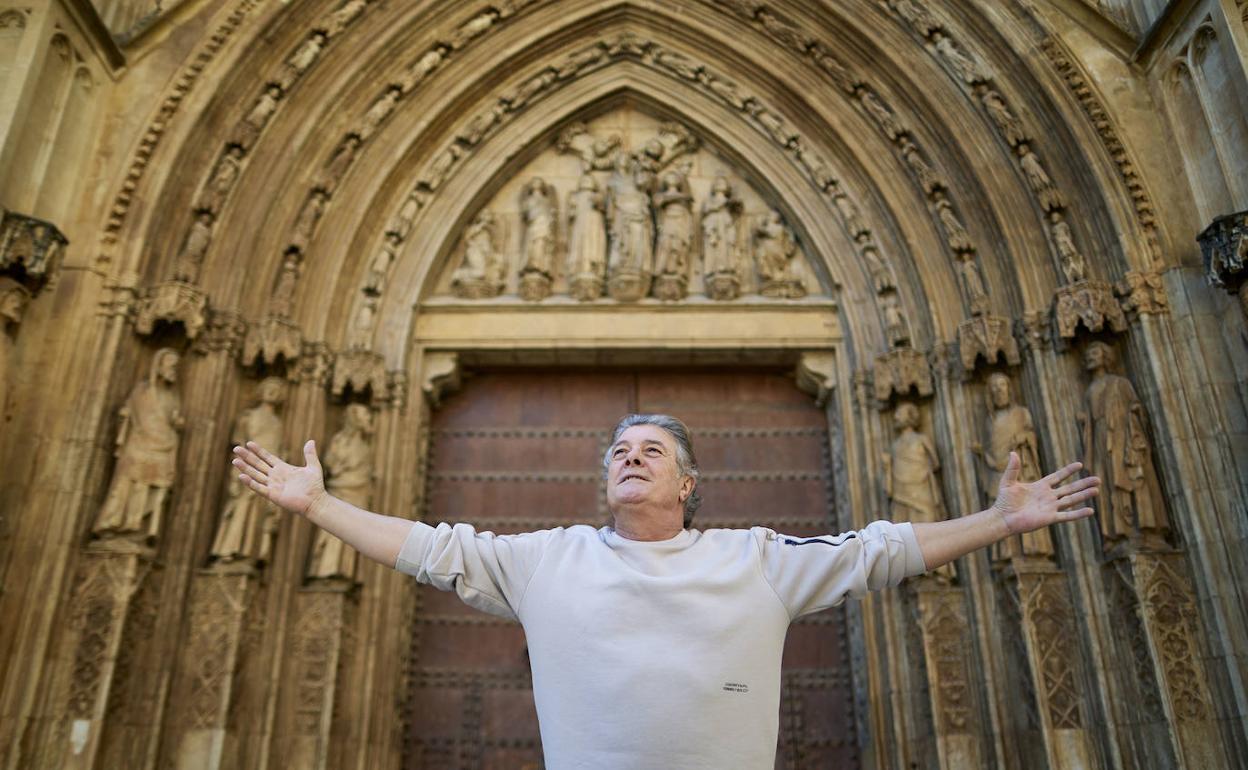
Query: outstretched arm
point(301, 490)
point(1020, 507)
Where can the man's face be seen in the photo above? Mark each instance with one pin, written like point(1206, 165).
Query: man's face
point(643, 470)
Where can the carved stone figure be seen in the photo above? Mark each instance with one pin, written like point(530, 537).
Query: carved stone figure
point(910, 481)
point(721, 258)
point(360, 335)
point(380, 110)
point(596, 154)
point(958, 60)
point(631, 243)
point(245, 529)
point(309, 215)
point(881, 274)
point(915, 13)
point(972, 283)
point(13, 300)
point(248, 130)
point(303, 58)
point(338, 164)
point(1073, 265)
point(880, 113)
point(481, 124)
point(518, 97)
point(538, 211)
point(346, 13)
point(895, 324)
point(189, 260)
point(1038, 179)
point(724, 89)
point(1116, 448)
point(224, 175)
point(1010, 126)
point(147, 453)
point(1010, 429)
point(348, 464)
point(955, 234)
point(774, 253)
point(481, 274)
point(421, 68)
point(283, 299)
point(849, 213)
point(587, 239)
point(379, 267)
point(582, 60)
point(927, 176)
point(671, 255)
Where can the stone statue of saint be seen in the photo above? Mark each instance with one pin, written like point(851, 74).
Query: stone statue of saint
point(538, 210)
point(213, 196)
point(631, 243)
point(587, 240)
point(910, 475)
point(1073, 265)
point(13, 300)
point(1010, 429)
point(774, 253)
point(972, 283)
point(719, 241)
point(348, 463)
point(309, 215)
point(481, 274)
point(245, 530)
point(191, 257)
point(671, 254)
point(147, 453)
point(283, 298)
point(1116, 448)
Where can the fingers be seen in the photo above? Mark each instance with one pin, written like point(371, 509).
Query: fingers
point(309, 455)
point(1077, 497)
point(1081, 513)
point(249, 471)
point(252, 459)
point(264, 454)
point(1077, 485)
point(1061, 474)
point(253, 485)
point(1012, 467)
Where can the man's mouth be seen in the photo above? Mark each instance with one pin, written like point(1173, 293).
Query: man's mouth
point(628, 476)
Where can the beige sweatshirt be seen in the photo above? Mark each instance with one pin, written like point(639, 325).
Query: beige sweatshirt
point(662, 654)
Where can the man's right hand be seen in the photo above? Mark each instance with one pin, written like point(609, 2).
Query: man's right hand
point(295, 489)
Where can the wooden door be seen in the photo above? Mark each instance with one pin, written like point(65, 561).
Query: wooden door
point(518, 451)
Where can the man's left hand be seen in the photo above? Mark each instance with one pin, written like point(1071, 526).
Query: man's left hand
point(1025, 506)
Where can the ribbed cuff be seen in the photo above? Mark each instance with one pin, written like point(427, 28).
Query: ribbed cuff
point(412, 554)
point(914, 557)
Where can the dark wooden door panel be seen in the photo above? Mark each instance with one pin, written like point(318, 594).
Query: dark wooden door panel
point(517, 451)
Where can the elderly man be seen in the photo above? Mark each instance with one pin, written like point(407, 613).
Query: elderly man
point(653, 644)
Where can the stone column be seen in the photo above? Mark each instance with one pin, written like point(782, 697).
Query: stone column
point(203, 687)
point(947, 646)
point(106, 581)
point(1052, 642)
point(1167, 608)
point(322, 612)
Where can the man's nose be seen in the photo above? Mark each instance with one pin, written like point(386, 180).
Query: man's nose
point(633, 458)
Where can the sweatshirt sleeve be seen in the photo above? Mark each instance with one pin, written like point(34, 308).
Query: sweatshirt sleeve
point(489, 572)
point(813, 573)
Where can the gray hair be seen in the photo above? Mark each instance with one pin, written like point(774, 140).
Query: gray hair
point(686, 463)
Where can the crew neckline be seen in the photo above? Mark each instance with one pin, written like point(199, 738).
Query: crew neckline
point(680, 539)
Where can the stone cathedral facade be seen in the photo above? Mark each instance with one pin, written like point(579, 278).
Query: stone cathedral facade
point(866, 248)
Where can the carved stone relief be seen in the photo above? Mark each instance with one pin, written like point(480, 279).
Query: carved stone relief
point(147, 451)
point(247, 522)
point(1117, 448)
point(348, 463)
point(910, 468)
point(1009, 428)
point(480, 275)
point(650, 212)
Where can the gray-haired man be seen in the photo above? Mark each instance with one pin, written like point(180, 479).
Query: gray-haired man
point(653, 644)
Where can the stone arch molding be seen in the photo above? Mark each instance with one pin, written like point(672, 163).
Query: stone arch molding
point(883, 323)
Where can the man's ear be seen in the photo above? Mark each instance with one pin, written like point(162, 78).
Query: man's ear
point(686, 488)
